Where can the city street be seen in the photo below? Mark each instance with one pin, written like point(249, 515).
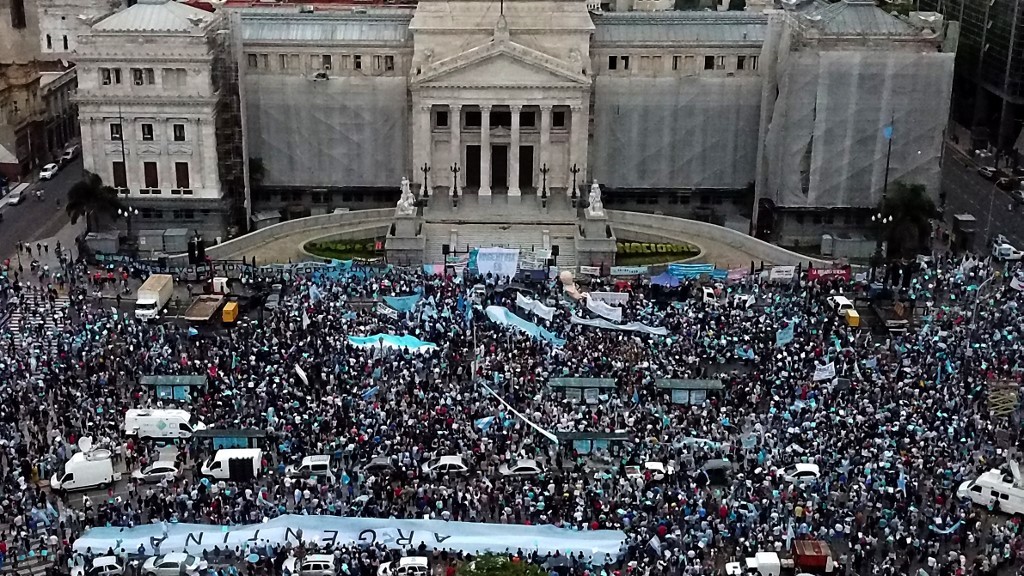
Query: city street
point(968, 191)
point(34, 219)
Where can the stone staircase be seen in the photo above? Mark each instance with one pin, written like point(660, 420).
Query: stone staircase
point(525, 237)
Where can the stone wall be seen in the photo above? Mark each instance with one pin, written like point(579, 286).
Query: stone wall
point(650, 227)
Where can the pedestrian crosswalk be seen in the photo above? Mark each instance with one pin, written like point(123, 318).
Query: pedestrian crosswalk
point(35, 315)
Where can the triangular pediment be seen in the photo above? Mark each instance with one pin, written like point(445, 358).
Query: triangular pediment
point(501, 63)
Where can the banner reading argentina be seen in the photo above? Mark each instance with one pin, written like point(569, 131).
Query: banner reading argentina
point(326, 531)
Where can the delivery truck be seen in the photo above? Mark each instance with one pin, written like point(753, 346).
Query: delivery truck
point(161, 423)
point(236, 464)
point(204, 307)
point(153, 295)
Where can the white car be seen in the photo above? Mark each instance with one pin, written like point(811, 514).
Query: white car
point(445, 465)
point(101, 566)
point(311, 565)
point(408, 566)
point(524, 467)
point(157, 471)
point(800, 473)
point(16, 197)
point(48, 171)
point(318, 465)
point(658, 471)
point(175, 564)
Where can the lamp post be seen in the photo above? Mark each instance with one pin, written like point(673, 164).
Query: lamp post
point(426, 189)
point(575, 170)
point(881, 221)
point(544, 185)
point(127, 212)
point(455, 184)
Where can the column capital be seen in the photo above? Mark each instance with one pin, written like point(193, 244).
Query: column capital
point(546, 108)
point(455, 107)
point(485, 108)
point(516, 108)
point(426, 107)
point(576, 108)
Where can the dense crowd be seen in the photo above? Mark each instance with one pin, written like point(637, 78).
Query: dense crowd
point(893, 436)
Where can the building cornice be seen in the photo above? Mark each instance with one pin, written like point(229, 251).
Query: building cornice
point(145, 101)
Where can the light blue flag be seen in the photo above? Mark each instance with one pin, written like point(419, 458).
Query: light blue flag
point(402, 303)
point(484, 423)
point(314, 294)
point(784, 336)
point(370, 393)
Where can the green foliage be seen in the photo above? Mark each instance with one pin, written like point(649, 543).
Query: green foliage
point(912, 211)
point(498, 565)
point(89, 198)
point(344, 249)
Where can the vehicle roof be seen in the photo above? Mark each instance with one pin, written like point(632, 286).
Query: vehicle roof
point(316, 459)
point(170, 463)
point(238, 453)
point(413, 561)
point(155, 412)
point(804, 467)
point(840, 299)
point(527, 462)
point(318, 558)
point(106, 561)
point(450, 460)
point(174, 556)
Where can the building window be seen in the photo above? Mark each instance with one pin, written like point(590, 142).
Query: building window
point(150, 175)
point(709, 62)
point(613, 62)
point(143, 76)
point(378, 62)
point(472, 118)
point(105, 76)
point(325, 61)
point(753, 62)
point(741, 62)
point(389, 63)
point(282, 61)
point(17, 13)
point(181, 175)
point(65, 42)
point(357, 62)
point(558, 119)
point(501, 118)
point(625, 62)
point(147, 132)
point(115, 130)
point(265, 61)
point(120, 178)
point(677, 61)
point(49, 42)
point(441, 119)
point(179, 132)
point(720, 63)
point(527, 119)
point(254, 62)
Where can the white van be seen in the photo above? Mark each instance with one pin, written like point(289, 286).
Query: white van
point(1003, 490)
point(840, 304)
point(408, 566)
point(86, 470)
point(709, 295)
point(317, 465)
point(234, 464)
point(161, 423)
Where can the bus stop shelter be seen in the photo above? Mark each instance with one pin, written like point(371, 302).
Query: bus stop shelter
point(688, 390)
point(233, 437)
point(586, 389)
point(587, 442)
point(173, 387)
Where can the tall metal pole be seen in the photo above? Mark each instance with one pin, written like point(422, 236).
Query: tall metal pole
point(455, 184)
point(544, 185)
point(575, 170)
point(426, 189)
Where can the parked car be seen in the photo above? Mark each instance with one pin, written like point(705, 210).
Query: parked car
point(446, 465)
point(317, 465)
point(311, 565)
point(379, 464)
point(657, 469)
point(174, 564)
point(69, 154)
point(988, 172)
point(101, 566)
point(524, 467)
point(800, 473)
point(408, 566)
point(16, 197)
point(1006, 184)
point(157, 471)
point(48, 171)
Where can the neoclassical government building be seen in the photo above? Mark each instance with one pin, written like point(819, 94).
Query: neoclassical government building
point(787, 120)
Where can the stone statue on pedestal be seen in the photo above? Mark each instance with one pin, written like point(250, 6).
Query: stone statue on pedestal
point(596, 206)
point(407, 202)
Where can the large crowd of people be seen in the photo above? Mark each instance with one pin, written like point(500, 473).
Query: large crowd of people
point(889, 439)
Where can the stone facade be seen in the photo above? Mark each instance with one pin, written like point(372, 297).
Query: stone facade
point(148, 109)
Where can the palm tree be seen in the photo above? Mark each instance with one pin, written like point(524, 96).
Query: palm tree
point(911, 210)
point(91, 198)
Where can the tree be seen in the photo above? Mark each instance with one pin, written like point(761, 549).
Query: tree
point(499, 565)
point(911, 210)
point(91, 198)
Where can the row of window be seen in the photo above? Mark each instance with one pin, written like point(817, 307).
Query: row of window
point(322, 62)
point(151, 178)
point(472, 118)
point(172, 77)
point(147, 133)
point(49, 42)
point(177, 213)
point(686, 63)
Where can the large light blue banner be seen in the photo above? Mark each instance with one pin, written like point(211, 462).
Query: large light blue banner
point(502, 315)
point(391, 341)
point(327, 531)
point(402, 303)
